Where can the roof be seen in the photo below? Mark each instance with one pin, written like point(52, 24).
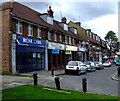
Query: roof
point(26, 13)
point(81, 31)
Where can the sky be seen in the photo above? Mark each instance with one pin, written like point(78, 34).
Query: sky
point(100, 16)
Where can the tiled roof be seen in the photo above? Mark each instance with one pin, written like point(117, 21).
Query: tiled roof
point(26, 13)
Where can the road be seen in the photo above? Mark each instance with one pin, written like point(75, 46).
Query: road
point(97, 82)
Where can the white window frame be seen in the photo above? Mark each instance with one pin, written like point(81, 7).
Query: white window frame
point(60, 38)
point(39, 32)
point(49, 35)
point(30, 30)
point(69, 40)
point(90, 35)
point(87, 33)
point(19, 26)
point(55, 36)
point(66, 39)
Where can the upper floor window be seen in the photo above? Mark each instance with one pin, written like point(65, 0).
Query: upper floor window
point(60, 38)
point(87, 33)
point(49, 35)
point(50, 20)
point(73, 41)
point(93, 36)
point(39, 32)
point(96, 37)
point(19, 27)
point(90, 35)
point(66, 39)
point(69, 40)
point(30, 30)
point(55, 37)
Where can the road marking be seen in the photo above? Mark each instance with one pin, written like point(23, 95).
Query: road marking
point(50, 81)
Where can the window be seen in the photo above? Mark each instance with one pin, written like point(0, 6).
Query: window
point(49, 35)
point(96, 37)
point(50, 20)
point(87, 33)
point(60, 38)
point(19, 27)
point(90, 35)
point(55, 37)
point(30, 30)
point(69, 40)
point(65, 27)
point(66, 39)
point(75, 31)
point(73, 41)
point(93, 36)
point(39, 32)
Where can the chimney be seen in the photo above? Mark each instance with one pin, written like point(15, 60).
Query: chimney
point(63, 20)
point(78, 23)
point(50, 12)
point(89, 30)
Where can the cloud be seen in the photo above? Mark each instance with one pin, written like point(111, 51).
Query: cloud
point(102, 25)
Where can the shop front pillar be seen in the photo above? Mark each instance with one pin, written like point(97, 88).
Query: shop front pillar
point(13, 53)
point(46, 58)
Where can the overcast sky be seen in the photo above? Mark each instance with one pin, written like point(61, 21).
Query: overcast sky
point(97, 15)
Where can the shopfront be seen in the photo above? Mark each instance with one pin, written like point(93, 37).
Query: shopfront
point(56, 56)
point(82, 53)
point(71, 53)
point(30, 54)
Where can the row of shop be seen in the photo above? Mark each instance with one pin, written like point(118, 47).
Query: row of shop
point(30, 54)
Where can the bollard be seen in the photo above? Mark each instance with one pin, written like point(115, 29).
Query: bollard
point(118, 71)
point(35, 78)
point(52, 72)
point(57, 82)
point(84, 83)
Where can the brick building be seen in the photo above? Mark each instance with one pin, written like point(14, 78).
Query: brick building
point(32, 41)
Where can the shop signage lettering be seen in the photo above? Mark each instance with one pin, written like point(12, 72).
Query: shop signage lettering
point(72, 48)
point(82, 49)
point(52, 45)
point(26, 41)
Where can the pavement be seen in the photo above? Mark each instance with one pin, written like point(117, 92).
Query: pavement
point(43, 77)
point(115, 76)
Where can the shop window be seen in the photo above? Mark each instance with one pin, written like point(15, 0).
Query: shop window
point(55, 37)
point(60, 38)
point(49, 35)
point(39, 33)
point(30, 30)
point(19, 27)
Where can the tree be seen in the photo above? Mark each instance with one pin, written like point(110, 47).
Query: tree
point(112, 42)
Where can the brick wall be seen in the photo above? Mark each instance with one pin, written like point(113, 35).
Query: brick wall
point(6, 41)
point(0, 40)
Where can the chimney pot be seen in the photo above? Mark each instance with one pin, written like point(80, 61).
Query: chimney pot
point(63, 19)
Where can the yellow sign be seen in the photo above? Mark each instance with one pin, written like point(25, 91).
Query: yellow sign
point(72, 48)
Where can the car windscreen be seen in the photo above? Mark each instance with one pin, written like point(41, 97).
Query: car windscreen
point(87, 63)
point(73, 63)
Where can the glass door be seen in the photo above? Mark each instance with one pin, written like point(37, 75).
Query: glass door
point(39, 61)
point(34, 61)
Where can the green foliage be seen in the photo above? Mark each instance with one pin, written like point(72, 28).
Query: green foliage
point(112, 42)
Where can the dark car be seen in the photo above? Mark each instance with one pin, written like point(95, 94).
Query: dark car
point(98, 65)
point(90, 66)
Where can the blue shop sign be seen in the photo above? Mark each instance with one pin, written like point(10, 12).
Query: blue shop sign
point(55, 51)
point(26, 41)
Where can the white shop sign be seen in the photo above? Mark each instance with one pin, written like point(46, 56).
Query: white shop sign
point(72, 48)
point(52, 45)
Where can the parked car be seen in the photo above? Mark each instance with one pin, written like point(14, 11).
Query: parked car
point(106, 64)
point(118, 63)
point(98, 65)
point(90, 66)
point(76, 67)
